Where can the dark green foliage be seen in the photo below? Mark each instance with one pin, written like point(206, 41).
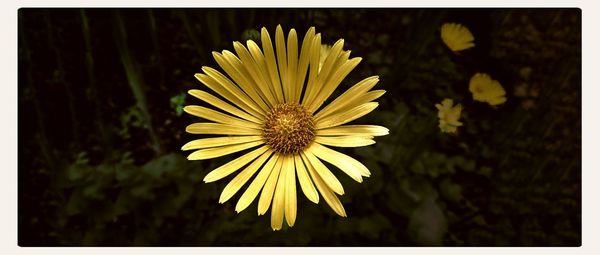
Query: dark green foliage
point(101, 126)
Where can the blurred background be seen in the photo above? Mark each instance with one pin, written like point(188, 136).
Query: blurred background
point(100, 99)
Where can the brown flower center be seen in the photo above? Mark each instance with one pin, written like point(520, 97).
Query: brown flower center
point(288, 128)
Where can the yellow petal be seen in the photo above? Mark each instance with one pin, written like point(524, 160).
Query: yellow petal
point(359, 130)
point(345, 141)
point(331, 199)
point(326, 175)
point(497, 101)
point(305, 53)
point(219, 141)
point(347, 116)
point(215, 116)
point(223, 150)
point(220, 129)
point(292, 64)
point(333, 83)
point(335, 159)
point(279, 199)
point(324, 73)
point(237, 71)
point(330, 60)
point(256, 185)
point(305, 183)
point(361, 99)
point(266, 196)
point(236, 184)
point(223, 86)
point(311, 86)
point(290, 191)
point(256, 76)
point(234, 165)
point(261, 62)
point(350, 95)
point(271, 64)
point(282, 61)
point(206, 97)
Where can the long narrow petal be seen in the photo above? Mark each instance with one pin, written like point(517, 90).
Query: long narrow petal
point(347, 116)
point(277, 212)
point(271, 63)
point(253, 68)
point(236, 184)
point(331, 199)
point(256, 185)
point(282, 61)
point(329, 63)
point(323, 172)
point(349, 95)
point(362, 99)
point(333, 83)
point(263, 68)
point(222, 150)
point(349, 165)
point(219, 117)
point(224, 87)
point(219, 141)
point(322, 75)
point(326, 155)
point(266, 196)
point(311, 84)
point(234, 165)
point(290, 191)
point(234, 68)
point(359, 130)
point(292, 64)
point(305, 183)
point(220, 129)
point(345, 141)
point(216, 102)
point(305, 54)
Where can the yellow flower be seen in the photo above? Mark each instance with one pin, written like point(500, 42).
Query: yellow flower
point(484, 89)
point(457, 37)
point(449, 116)
point(272, 98)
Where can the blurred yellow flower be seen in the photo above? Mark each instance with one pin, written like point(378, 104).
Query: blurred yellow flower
point(457, 37)
point(273, 101)
point(449, 116)
point(484, 89)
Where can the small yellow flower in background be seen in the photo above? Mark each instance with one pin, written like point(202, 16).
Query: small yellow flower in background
point(485, 89)
point(449, 116)
point(457, 37)
point(273, 99)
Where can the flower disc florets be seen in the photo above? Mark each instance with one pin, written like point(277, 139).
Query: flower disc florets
point(288, 128)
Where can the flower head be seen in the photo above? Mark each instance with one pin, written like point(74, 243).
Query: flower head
point(484, 89)
point(272, 98)
point(457, 37)
point(449, 116)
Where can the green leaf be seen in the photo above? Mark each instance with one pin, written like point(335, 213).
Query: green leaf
point(162, 164)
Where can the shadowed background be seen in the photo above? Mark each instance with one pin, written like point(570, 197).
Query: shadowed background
point(101, 126)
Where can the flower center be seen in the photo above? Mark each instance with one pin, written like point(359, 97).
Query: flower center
point(288, 128)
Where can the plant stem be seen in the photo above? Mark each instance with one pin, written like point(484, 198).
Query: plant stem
point(134, 80)
point(89, 61)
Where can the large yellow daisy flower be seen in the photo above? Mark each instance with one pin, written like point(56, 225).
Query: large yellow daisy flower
point(272, 99)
